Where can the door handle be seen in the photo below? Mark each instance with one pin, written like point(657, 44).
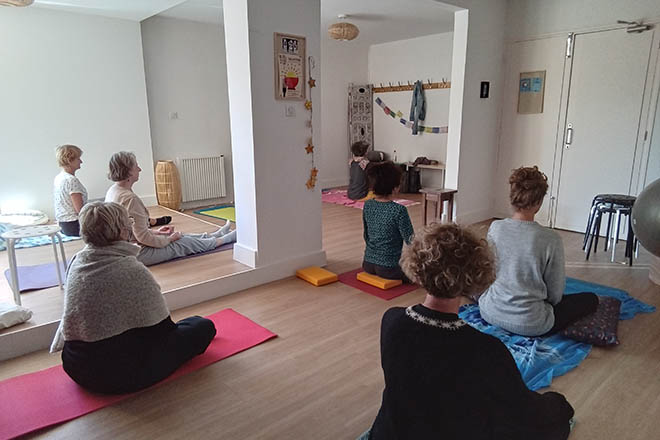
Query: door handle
point(569, 135)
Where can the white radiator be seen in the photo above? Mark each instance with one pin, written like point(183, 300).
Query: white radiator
point(202, 178)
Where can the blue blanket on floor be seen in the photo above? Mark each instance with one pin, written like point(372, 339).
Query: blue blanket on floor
point(542, 358)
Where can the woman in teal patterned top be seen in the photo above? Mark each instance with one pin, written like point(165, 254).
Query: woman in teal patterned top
point(386, 223)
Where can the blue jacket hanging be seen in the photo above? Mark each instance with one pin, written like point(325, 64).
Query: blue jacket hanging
point(417, 106)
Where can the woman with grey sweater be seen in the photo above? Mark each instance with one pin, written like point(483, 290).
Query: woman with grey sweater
point(116, 333)
point(527, 297)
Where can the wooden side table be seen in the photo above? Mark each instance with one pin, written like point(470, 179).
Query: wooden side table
point(14, 235)
point(439, 196)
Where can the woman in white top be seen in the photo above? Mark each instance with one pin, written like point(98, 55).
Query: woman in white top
point(163, 244)
point(69, 194)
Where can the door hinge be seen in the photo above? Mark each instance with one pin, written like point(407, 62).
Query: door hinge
point(569, 44)
point(646, 135)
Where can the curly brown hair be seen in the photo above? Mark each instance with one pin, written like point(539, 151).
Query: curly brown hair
point(359, 148)
point(384, 177)
point(449, 261)
point(528, 187)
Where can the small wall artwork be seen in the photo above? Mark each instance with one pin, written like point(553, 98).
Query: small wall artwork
point(289, 67)
point(531, 92)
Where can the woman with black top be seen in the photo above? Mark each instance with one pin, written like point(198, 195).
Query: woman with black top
point(443, 378)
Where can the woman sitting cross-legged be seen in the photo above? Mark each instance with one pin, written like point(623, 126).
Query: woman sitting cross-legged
point(164, 243)
point(527, 298)
point(443, 378)
point(116, 334)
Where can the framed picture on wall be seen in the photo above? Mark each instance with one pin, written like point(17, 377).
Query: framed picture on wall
point(289, 67)
point(531, 92)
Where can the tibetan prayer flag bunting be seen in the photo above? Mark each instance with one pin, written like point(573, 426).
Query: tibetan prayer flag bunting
point(409, 124)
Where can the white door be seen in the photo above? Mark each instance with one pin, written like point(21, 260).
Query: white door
point(607, 85)
point(529, 139)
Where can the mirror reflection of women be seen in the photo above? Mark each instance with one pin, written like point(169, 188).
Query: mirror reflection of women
point(69, 193)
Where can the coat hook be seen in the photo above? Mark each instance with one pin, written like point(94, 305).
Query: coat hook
point(381, 85)
point(408, 83)
point(429, 81)
point(399, 82)
point(389, 83)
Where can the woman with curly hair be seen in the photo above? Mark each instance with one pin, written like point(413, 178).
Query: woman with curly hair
point(527, 297)
point(443, 378)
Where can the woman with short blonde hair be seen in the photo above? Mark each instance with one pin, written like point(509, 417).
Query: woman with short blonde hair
point(163, 244)
point(443, 378)
point(116, 333)
point(527, 298)
point(69, 193)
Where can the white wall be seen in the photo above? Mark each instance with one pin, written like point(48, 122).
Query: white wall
point(473, 135)
point(278, 218)
point(528, 18)
point(69, 78)
point(344, 62)
point(186, 73)
point(424, 58)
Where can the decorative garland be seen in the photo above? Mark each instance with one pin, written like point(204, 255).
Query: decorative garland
point(409, 124)
point(309, 149)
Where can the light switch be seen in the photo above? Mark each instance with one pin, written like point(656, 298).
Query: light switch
point(174, 115)
point(290, 111)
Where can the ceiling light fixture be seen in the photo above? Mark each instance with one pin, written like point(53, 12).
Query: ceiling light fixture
point(16, 2)
point(343, 30)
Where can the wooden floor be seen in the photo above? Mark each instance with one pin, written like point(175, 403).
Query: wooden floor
point(321, 378)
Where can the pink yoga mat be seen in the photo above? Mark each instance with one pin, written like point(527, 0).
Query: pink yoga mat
point(349, 278)
point(340, 197)
point(48, 397)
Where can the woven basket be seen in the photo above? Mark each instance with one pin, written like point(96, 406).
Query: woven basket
point(168, 184)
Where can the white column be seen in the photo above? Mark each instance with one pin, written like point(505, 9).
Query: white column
point(278, 218)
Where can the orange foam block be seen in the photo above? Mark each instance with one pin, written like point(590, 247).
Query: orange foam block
point(376, 281)
point(316, 275)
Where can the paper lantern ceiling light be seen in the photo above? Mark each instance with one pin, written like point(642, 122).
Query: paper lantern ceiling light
point(343, 30)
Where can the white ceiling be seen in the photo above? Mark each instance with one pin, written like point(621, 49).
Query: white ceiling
point(379, 20)
point(136, 10)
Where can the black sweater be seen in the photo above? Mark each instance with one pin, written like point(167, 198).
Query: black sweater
point(444, 379)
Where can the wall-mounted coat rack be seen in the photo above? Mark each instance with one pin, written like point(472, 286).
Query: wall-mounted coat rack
point(398, 87)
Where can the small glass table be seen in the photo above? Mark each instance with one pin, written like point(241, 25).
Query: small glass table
point(13, 236)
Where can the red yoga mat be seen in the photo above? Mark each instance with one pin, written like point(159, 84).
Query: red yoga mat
point(48, 397)
point(350, 278)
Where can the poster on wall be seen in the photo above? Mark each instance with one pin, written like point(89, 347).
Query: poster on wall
point(289, 67)
point(531, 91)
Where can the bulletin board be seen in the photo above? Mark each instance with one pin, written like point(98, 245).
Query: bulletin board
point(531, 92)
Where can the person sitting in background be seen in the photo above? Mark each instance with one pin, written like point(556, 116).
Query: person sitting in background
point(443, 378)
point(69, 193)
point(163, 244)
point(386, 223)
point(358, 186)
point(527, 298)
point(116, 333)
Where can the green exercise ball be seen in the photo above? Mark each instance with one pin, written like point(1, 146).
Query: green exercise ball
point(646, 218)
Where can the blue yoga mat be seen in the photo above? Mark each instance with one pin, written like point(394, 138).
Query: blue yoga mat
point(540, 359)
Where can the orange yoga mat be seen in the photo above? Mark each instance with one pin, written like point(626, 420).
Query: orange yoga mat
point(48, 397)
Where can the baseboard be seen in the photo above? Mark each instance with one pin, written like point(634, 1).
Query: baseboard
point(333, 183)
point(245, 255)
point(471, 217)
point(40, 337)
point(149, 200)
